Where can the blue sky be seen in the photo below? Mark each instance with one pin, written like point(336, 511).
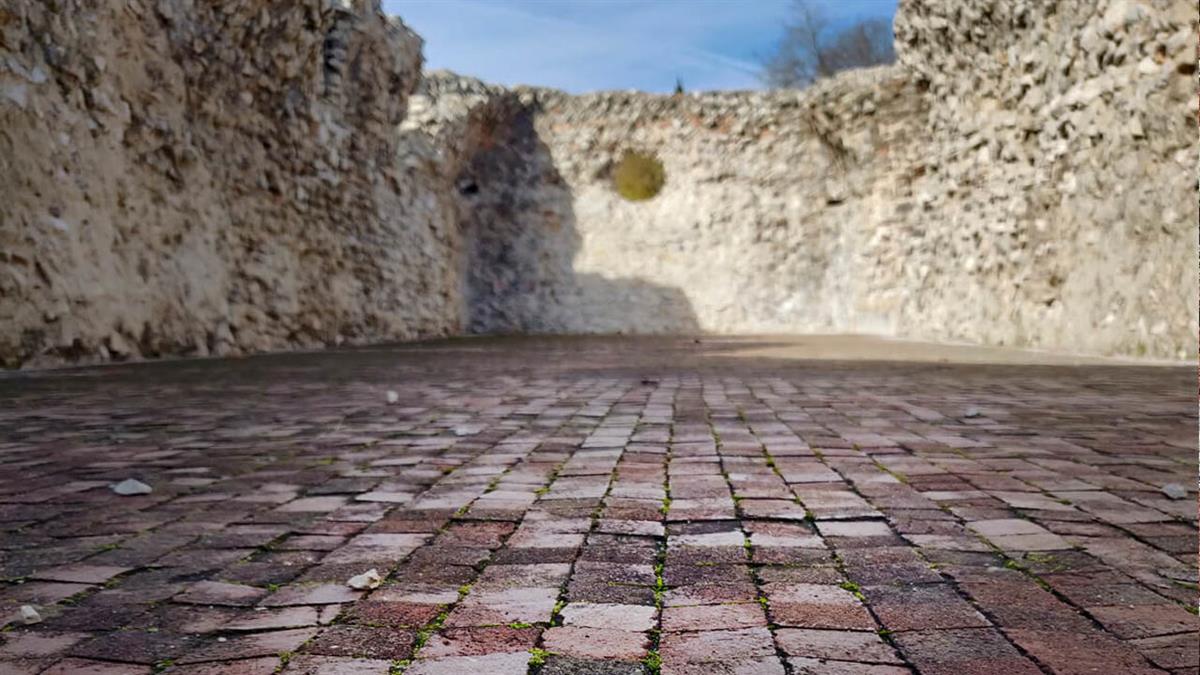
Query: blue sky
point(588, 45)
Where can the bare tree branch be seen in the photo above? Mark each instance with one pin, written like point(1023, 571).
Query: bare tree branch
point(808, 51)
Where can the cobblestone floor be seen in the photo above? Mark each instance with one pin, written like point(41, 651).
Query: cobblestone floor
point(598, 506)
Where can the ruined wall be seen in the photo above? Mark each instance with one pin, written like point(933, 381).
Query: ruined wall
point(769, 200)
point(246, 175)
point(1058, 203)
point(1024, 177)
point(215, 177)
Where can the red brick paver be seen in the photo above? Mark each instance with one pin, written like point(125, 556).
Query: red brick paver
point(598, 506)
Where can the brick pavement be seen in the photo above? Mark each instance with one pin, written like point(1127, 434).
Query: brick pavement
point(598, 506)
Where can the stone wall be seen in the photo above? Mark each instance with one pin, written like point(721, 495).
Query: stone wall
point(1024, 177)
point(770, 199)
point(246, 175)
point(1058, 203)
point(215, 177)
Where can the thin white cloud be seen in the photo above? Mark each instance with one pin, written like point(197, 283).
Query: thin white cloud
point(618, 44)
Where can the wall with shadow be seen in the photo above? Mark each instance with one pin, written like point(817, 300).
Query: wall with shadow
point(521, 241)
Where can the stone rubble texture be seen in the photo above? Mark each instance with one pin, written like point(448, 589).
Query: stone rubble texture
point(598, 505)
point(210, 178)
point(1060, 192)
point(250, 175)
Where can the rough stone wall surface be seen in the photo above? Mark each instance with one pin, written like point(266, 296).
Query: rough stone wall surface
point(1023, 177)
point(769, 198)
point(215, 177)
point(1057, 205)
point(247, 175)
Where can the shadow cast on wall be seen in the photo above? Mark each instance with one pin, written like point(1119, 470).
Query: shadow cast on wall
point(518, 223)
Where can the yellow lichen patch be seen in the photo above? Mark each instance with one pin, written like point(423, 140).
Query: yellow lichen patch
point(638, 176)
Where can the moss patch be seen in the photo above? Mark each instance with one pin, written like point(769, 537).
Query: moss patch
point(638, 176)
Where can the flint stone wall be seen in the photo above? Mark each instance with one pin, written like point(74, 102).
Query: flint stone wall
point(1025, 176)
point(1058, 201)
point(214, 177)
point(251, 175)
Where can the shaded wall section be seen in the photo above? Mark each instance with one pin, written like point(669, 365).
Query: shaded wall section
point(522, 239)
